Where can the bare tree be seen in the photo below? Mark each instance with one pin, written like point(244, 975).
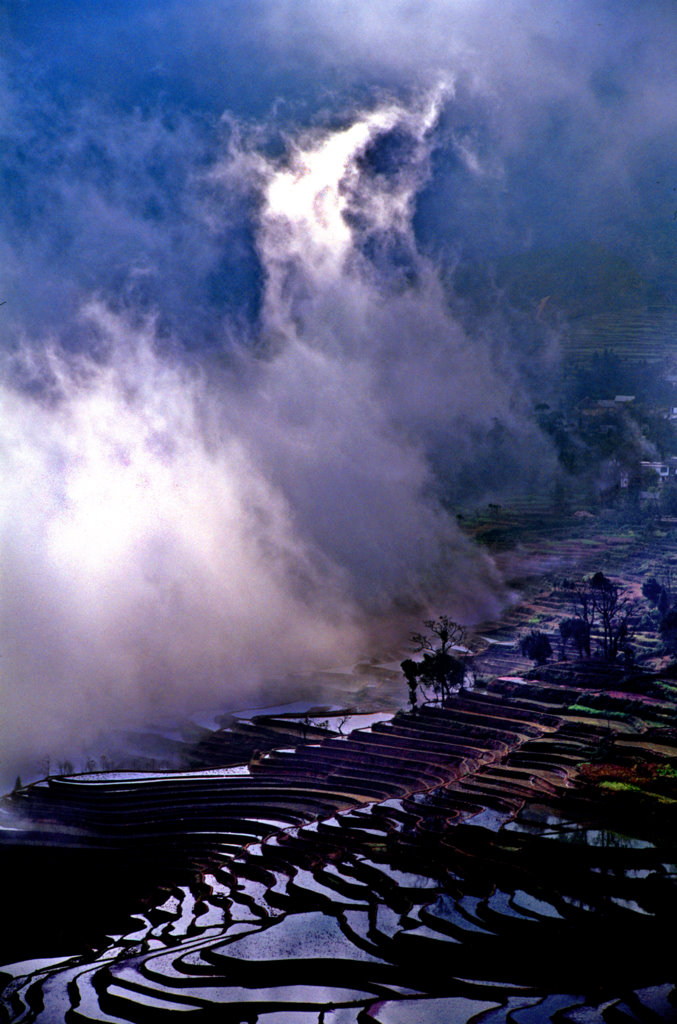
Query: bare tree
point(443, 634)
point(602, 613)
point(439, 669)
point(614, 609)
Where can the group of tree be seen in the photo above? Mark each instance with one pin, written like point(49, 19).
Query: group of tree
point(601, 626)
point(602, 615)
point(439, 671)
point(601, 623)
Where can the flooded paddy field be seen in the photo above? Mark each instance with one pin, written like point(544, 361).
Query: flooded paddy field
point(507, 858)
point(453, 864)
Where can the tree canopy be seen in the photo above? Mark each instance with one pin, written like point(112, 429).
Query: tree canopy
point(439, 670)
point(536, 645)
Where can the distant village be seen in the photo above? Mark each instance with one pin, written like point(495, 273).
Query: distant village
point(648, 474)
point(618, 444)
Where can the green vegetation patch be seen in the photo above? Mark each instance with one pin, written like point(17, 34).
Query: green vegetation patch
point(615, 786)
point(587, 710)
point(667, 689)
point(620, 787)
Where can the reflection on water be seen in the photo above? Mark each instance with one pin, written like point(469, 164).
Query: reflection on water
point(537, 819)
point(333, 919)
point(315, 886)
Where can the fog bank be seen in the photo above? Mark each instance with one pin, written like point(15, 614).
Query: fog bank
point(244, 388)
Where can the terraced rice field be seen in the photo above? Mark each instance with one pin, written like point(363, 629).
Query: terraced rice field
point(443, 866)
point(545, 557)
point(451, 865)
point(647, 334)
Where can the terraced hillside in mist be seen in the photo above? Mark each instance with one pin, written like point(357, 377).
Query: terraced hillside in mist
point(509, 857)
point(449, 865)
point(642, 333)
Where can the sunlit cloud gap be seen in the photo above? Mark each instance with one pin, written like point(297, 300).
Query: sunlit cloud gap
point(174, 534)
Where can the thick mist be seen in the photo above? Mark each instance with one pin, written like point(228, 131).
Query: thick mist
point(176, 531)
point(241, 392)
point(148, 565)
